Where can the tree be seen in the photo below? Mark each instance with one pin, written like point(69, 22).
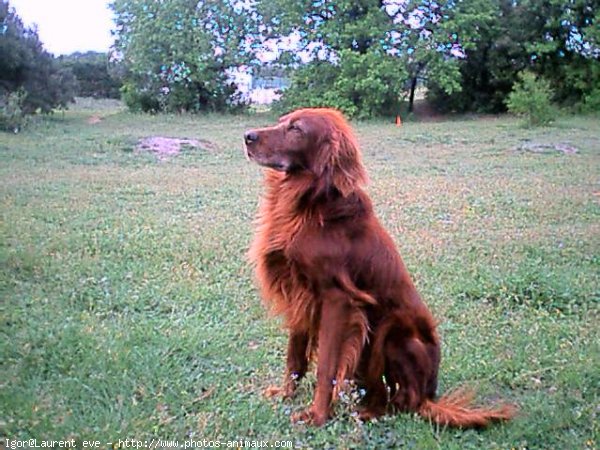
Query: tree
point(565, 48)
point(93, 73)
point(178, 53)
point(555, 39)
point(30, 79)
point(373, 51)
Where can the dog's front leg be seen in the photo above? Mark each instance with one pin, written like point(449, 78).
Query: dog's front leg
point(335, 311)
point(297, 363)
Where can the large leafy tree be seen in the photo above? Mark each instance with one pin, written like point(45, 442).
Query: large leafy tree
point(563, 45)
point(178, 53)
point(369, 54)
point(30, 79)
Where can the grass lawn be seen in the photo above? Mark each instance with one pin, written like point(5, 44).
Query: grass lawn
point(128, 310)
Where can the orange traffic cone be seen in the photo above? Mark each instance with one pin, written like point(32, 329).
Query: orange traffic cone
point(398, 120)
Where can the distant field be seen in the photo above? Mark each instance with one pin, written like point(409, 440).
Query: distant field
point(127, 308)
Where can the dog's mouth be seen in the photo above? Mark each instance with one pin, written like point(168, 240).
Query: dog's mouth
point(264, 162)
point(247, 152)
point(277, 166)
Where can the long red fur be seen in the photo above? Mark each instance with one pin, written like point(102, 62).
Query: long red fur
point(326, 265)
point(456, 410)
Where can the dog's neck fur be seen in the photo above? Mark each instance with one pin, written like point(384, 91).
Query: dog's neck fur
point(313, 197)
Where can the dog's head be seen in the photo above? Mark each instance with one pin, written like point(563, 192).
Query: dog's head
point(318, 141)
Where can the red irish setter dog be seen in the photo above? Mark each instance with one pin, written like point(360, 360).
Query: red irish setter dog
point(325, 263)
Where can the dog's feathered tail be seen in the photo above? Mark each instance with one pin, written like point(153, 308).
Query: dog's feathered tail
point(456, 410)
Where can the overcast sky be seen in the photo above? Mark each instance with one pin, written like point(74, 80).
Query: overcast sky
point(67, 26)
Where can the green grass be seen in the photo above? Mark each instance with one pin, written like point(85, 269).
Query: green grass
point(127, 308)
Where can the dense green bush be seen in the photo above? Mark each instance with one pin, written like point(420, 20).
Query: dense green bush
point(138, 100)
point(12, 117)
point(360, 85)
point(591, 101)
point(531, 98)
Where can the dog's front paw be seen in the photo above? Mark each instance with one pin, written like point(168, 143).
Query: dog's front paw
point(368, 414)
point(284, 392)
point(310, 416)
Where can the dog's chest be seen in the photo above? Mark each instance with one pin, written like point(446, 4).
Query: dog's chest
point(279, 248)
point(282, 263)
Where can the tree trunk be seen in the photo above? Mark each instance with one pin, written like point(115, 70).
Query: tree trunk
point(411, 99)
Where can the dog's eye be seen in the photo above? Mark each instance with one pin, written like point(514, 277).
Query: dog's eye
point(294, 127)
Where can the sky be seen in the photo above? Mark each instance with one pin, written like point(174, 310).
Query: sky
point(67, 26)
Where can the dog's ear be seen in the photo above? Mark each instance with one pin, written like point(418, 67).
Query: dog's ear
point(349, 172)
point(340, 161)
point(285, 117)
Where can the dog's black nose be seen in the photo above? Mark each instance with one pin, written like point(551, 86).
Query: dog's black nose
point(250, 137)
